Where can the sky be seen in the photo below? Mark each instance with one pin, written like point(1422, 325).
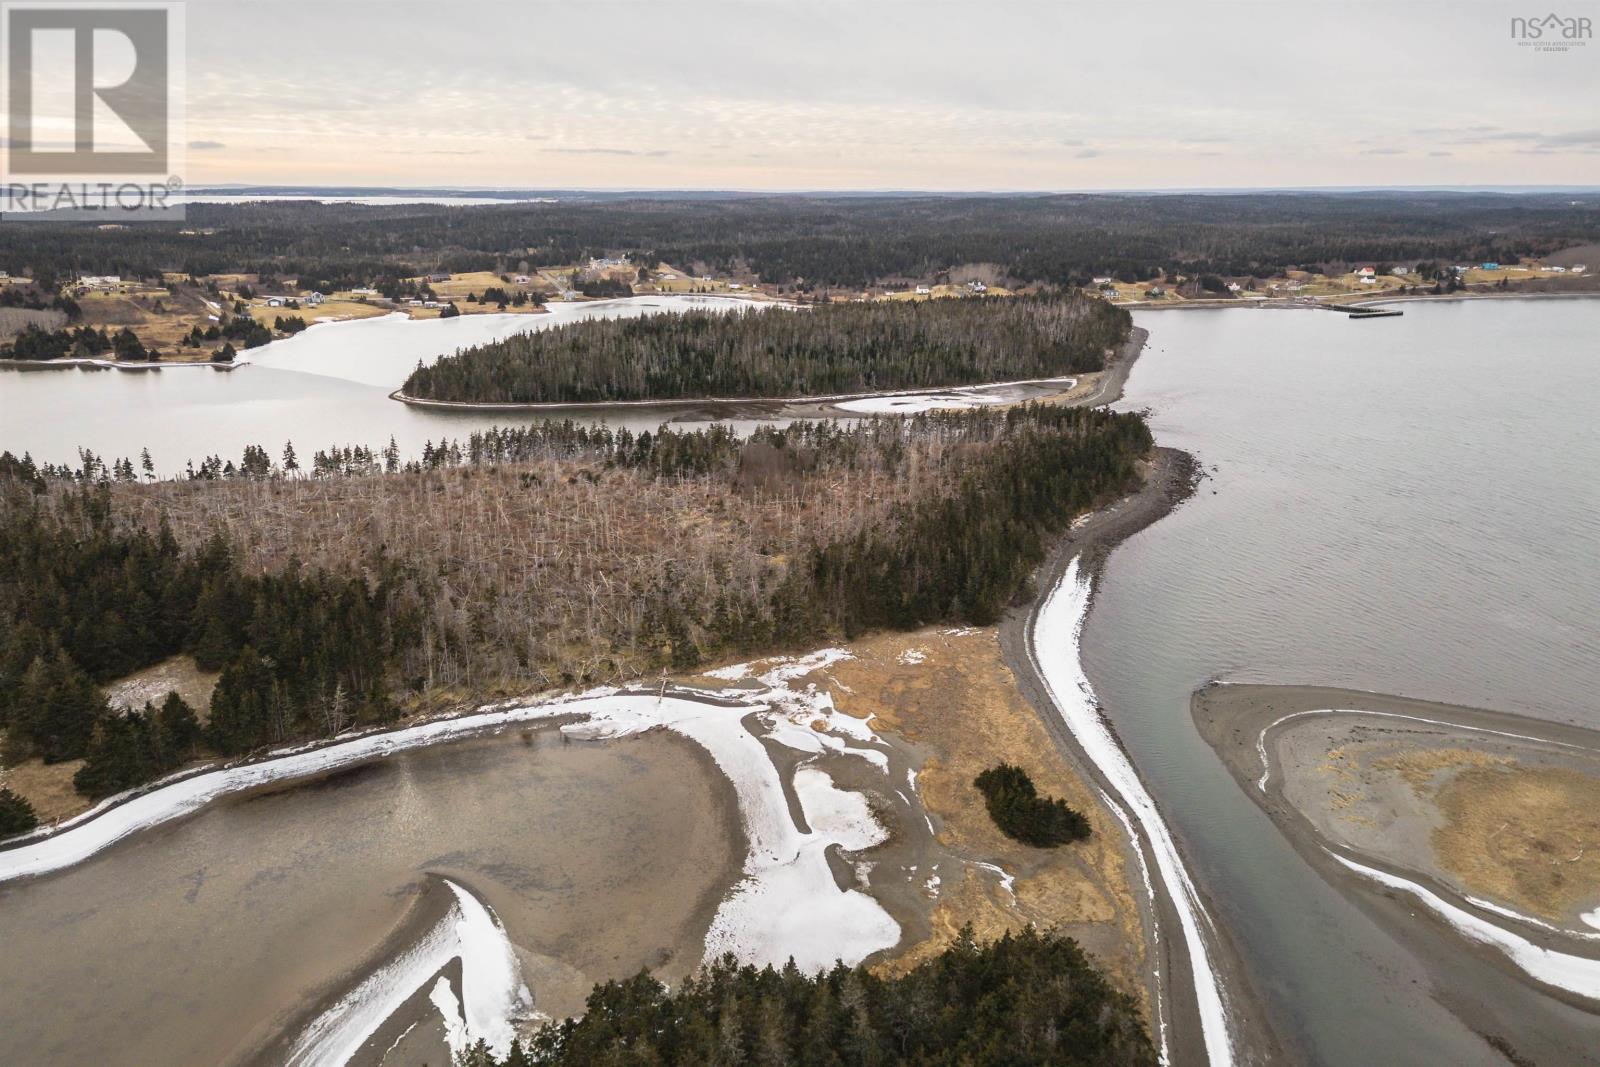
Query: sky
point(882, 94)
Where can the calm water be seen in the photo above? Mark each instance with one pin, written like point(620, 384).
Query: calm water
point(327, 386)
point(1405, 505)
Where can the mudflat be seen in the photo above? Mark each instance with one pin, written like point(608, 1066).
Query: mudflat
point(205, 940)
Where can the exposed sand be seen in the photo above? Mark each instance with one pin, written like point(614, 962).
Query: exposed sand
point(1497, 816)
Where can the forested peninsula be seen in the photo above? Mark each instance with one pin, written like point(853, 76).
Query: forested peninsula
point(827, 350)
point(357, 587)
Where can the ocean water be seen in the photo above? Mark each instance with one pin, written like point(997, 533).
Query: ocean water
point(1405, 505)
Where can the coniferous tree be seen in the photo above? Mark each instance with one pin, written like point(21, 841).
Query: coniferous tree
point(16, 814)
point(244, 705)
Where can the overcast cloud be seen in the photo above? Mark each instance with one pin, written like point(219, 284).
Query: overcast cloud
point(765, 94)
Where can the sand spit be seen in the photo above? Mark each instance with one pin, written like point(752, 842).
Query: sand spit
point(1056, 632)
point(1488, 820)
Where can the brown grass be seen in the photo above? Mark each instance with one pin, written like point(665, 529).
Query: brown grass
point(962, 705)
point(1527, 835)
point(48, 787)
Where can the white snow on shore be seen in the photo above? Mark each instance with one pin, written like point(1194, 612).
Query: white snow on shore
point(916, 403)
point(944, 399)
point(791, 906)
point(1007, 881)
point(1055, 648)
point(492, 990)
point(1575, 974)
point(788, 903)
point(1592, 918)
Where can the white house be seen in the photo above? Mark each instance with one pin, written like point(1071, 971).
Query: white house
point(1401, 271)
point(977, 287)
point(1234, 287)
point(313, 299)
point(1578, 268)
point(277, 301)
point(1369, 280)
point(923, 290)
point(1365, 272)
point(1102, 281)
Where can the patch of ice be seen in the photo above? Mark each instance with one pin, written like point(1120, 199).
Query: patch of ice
point(1057, 633)
point(1575, 974)
point(912, 656)
point(1007, 881)
point(730, 673)
point(791, 907)
point(1592, 918)
point(835, 813)
point(492, 990)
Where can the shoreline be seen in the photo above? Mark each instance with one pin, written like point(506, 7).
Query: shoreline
point(1238, 721)
point(1172, 479)
point(770, 405)
point(1374, 300)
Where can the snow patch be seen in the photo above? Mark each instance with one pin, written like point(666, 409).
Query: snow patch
point(1057, 633)
point(492, 990)
point(1575, 974)
point(731, 673)
point(912, 656)
point(1007, 881)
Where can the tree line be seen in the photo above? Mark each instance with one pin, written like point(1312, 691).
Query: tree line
point(1023, 999)
point(813, 243)
point(553, 555)
point(831, 349)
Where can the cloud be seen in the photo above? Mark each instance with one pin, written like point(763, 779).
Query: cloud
point(655, 154)
point(433, 152)
point(1383, 152)
point(1089, 153)
point(205, 146)
point(1529, 140)
point(1436, 154)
